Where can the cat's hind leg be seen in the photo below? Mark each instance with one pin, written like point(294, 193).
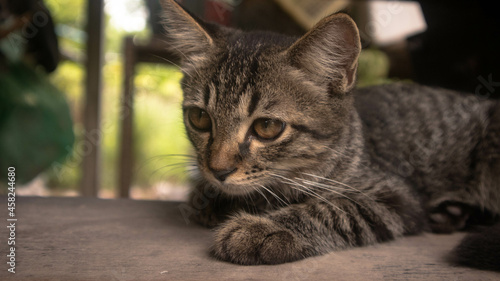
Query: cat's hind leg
point(449, 217)
point(479, 199)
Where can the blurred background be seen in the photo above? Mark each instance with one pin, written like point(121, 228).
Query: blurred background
point(47, 97)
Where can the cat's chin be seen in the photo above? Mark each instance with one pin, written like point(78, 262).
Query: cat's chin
point(234, 189)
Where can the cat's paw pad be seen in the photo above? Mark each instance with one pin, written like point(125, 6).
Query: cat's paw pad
point(249, 239)
point(449, 217)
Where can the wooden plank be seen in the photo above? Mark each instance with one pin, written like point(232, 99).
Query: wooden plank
point(91, 166)
point(94, 239)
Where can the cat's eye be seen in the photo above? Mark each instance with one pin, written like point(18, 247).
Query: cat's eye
point(268, 129)
point(199, 119)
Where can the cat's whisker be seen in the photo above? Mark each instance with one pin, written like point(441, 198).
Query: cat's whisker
point(184, 55)
point(176, 155)
point(295, 185)
point(171, 170)
point(173, 63)
point(324, 186)
point(274, 195)
point(166, 156)
point(173, 167)
point(328, 188)
point(263, 195)
point(336, 187)
point(162, 75)
point(340, 183)
point(347, 188)
point(251, 207)
point(284, 196)
point(314, 194)
point(179, 164)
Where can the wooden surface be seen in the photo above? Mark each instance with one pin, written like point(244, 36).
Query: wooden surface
point(93, 239)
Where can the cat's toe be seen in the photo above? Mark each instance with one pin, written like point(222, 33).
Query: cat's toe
point(449, 217)
point(248, 239)
point(280, 247)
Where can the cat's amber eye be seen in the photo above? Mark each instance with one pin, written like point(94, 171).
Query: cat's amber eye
point(268, 129)
point(199, 119)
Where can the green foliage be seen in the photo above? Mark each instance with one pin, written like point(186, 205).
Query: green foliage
point(66, 175)
point(373, 67)
point(159, 127)
point(69, 17)
point(68, 12)
point(69, 76)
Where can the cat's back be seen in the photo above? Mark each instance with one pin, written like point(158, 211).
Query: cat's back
point(422, 133)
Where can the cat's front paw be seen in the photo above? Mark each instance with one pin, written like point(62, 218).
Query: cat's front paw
point(249, 239)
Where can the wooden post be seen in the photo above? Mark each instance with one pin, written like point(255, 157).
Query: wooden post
point(125, 173)
point(91, 166)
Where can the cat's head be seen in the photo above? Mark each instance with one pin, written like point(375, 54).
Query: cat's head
point(259, 106)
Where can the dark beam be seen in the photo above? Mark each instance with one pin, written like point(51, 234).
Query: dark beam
point(126, 160)
point(93, 87)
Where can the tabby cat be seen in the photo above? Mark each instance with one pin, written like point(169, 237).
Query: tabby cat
point(295, 162)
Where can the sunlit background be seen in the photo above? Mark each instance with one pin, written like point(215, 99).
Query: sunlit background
point(157, 116)
point(158, 128)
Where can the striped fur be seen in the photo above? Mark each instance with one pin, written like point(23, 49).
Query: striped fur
point(350, 168)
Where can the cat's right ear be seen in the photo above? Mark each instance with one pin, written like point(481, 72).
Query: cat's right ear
point(186, 35)
point(328, 53)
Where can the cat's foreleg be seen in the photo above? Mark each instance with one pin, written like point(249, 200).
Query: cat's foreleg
point(311, 228)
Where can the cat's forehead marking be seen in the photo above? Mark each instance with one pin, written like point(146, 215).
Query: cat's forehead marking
point(235, 74)
point(254, 101)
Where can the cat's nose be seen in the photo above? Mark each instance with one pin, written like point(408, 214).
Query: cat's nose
point(222, 175)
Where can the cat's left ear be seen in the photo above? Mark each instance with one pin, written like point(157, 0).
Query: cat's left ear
point(329, 52)
point(187, 35)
